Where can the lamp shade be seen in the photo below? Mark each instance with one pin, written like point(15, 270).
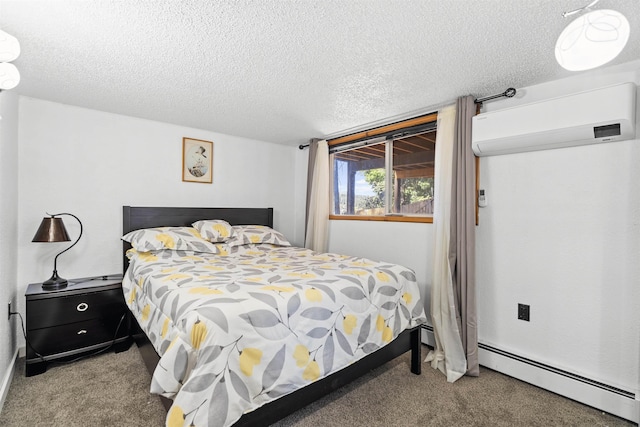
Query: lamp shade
point(51, 230)
point(9, 76)
point(9, 47)
point(592, 40)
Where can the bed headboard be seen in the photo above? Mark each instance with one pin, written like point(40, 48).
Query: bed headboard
point(137, 217)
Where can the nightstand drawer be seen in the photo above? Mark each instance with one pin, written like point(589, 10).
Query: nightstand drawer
point(46, 312)
point(59, 339)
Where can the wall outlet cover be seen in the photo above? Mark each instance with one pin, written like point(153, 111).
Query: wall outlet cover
point(523, 312)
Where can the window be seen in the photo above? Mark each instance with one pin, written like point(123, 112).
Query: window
point(386, 173)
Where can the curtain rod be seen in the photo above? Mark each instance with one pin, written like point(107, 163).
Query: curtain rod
point(509, 93)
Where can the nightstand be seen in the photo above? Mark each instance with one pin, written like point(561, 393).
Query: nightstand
point(81, 318)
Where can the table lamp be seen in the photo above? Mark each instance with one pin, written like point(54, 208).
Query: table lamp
point(52, 229)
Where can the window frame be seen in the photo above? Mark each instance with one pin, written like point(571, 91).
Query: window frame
point(377, 132)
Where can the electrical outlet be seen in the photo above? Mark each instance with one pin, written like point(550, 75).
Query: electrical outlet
point(523, 312)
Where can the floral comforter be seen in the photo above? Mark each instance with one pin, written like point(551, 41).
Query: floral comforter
point(239, 329)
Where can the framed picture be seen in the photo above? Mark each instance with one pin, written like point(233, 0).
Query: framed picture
point(197, 160)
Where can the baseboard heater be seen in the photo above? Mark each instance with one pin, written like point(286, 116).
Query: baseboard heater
point(605, 397)
point(570, 375)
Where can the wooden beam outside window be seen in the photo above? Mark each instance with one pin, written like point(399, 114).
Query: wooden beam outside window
point(384, 129)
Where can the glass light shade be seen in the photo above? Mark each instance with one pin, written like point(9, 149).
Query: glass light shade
point(9, 47)
point(592, 40)
point(9, 76)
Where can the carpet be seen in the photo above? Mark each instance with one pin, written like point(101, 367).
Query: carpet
point(112, 390)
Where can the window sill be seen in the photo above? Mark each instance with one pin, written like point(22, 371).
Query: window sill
point(388, 218)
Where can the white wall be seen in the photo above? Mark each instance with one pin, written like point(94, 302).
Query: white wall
point(300, 192)
point(8, 232)
point(405, 243)
point(562, 234)
point(91, 163)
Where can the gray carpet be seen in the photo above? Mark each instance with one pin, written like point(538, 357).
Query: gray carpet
point(112, 390)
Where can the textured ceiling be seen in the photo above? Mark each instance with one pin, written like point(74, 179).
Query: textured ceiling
point(285, 71)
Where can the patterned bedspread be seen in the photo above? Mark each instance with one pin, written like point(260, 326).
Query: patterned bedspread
point(239, 329)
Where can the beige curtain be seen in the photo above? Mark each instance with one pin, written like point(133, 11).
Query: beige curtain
point(317, 226)
point(448, 355)
point(462, 235)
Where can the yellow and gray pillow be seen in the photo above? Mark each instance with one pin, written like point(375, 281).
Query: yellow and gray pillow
point(256, 234)
point(214, 230)
point(172, 238)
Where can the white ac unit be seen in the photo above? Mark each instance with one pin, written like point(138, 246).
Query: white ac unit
point(594, 116)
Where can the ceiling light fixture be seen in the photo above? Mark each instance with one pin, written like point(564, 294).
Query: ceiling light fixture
point(592, 39)
point(9, 51)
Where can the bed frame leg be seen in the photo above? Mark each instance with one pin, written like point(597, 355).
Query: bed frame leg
point(416, 346)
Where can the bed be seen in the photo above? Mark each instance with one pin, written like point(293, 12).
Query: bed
point(255, 343)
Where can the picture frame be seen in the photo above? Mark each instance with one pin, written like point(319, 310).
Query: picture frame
point(197, 160)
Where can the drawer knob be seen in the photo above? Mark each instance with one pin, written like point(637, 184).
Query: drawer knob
point(81, 331)
point(82, 306)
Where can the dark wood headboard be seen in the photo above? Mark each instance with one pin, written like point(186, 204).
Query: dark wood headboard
point(138, 217)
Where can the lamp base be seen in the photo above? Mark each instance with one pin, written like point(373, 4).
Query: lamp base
point(55, 282)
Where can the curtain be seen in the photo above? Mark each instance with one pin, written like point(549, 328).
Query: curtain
point(462, 247)
point(448, 355)
point(317, 226)
point(313, 149)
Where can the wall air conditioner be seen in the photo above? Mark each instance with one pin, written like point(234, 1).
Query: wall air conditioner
point(590, 117)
